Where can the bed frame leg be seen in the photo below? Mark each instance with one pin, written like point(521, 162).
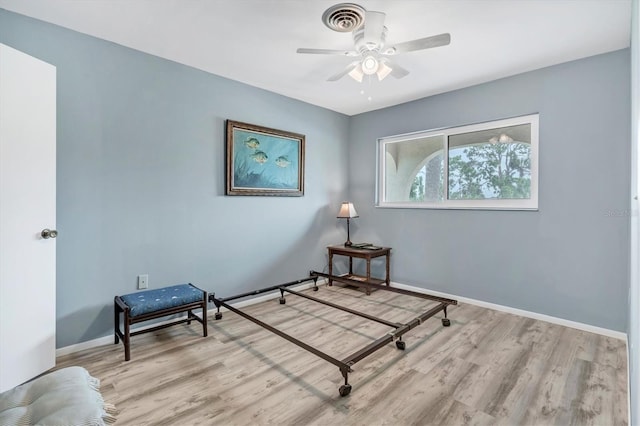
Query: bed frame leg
point(315, 283)
point(346, 388)
point(445, 320)
point(282, 299)
point(400, 344)
point(218, 315)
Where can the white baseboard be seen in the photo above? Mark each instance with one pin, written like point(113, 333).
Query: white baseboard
point(554, 320)
point(269, 296)
point(527, 314)
point(100, 341)
point(628, 381)
point(106, 340)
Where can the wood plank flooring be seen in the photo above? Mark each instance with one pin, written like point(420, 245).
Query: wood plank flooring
point(487, 368)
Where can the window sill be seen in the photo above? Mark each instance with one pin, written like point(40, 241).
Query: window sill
point(455, 206)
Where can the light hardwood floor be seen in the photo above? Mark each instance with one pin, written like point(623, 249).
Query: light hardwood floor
point(487, 368)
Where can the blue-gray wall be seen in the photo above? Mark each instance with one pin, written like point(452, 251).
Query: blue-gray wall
point(569, 259)
point(140, 181)
point(141, 184)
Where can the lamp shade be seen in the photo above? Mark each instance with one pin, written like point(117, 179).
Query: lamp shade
point(347, 211)
point(383, 71)
point(357, 74)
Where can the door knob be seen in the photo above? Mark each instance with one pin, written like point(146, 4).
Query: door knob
point(49, 233)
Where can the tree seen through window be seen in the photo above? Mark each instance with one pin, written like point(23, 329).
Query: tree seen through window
point(492, 165)
point(482, 171)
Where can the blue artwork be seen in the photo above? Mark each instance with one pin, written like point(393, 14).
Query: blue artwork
point(263, 161)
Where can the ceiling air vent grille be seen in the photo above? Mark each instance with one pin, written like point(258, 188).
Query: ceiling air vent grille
point(343, 17)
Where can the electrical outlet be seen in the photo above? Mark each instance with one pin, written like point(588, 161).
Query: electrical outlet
point(143, 281)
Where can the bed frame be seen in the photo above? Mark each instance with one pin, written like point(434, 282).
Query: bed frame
point(399, 329)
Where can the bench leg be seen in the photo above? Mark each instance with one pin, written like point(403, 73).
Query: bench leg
point(204, 315)
point(116, 323)
point(127, 335)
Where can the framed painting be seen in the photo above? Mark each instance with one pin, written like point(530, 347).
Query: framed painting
point(263, 161)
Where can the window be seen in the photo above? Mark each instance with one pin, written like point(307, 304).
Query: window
point(490, 165)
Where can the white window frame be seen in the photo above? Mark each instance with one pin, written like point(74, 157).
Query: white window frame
point(487, 204)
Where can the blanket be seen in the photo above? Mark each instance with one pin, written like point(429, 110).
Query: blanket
point(69, 396)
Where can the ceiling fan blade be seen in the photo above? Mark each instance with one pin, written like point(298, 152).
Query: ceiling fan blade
point(419, 44)
point(344, 72)
point(327, 52)
point(373, 27)
point(396, 70)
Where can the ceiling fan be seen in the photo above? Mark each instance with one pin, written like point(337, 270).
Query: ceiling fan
point(369, 36)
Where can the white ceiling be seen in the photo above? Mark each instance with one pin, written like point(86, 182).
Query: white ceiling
point(255, 41)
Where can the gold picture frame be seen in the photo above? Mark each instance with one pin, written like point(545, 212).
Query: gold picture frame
point(263, 161)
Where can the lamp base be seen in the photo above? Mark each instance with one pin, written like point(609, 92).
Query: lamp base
point(348, 243)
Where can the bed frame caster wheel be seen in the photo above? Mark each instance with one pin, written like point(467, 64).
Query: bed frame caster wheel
point(282, 301)
point(315, 289)
point(400, 345)
point(218, 315)
point(446, 322)
point(345, 390)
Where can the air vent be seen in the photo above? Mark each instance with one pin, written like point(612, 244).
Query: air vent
point(343, 17)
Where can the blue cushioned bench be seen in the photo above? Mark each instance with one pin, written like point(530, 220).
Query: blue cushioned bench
point(156, 303)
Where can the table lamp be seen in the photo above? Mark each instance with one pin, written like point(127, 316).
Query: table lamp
point(347, 211)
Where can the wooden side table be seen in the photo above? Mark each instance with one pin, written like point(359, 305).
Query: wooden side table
point(361, 253)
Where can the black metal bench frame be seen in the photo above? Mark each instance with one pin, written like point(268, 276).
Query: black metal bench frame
point(345, 364)
point(119, 306)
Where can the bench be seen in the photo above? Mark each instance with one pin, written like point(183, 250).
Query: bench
point(156, 303)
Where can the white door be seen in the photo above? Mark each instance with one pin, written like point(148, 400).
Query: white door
point(27, 206)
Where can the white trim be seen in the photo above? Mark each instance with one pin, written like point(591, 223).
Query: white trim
point(628, 382)
point(100, 341)
point(525, 204)
point(269, 296)
point(105, 340)
point(527, 314)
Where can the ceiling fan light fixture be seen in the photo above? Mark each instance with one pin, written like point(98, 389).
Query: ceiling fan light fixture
point(383, 70)
point(370, 65)
point(356, 74)
point(369, 38)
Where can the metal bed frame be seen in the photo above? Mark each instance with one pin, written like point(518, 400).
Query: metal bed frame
point(345, 364)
